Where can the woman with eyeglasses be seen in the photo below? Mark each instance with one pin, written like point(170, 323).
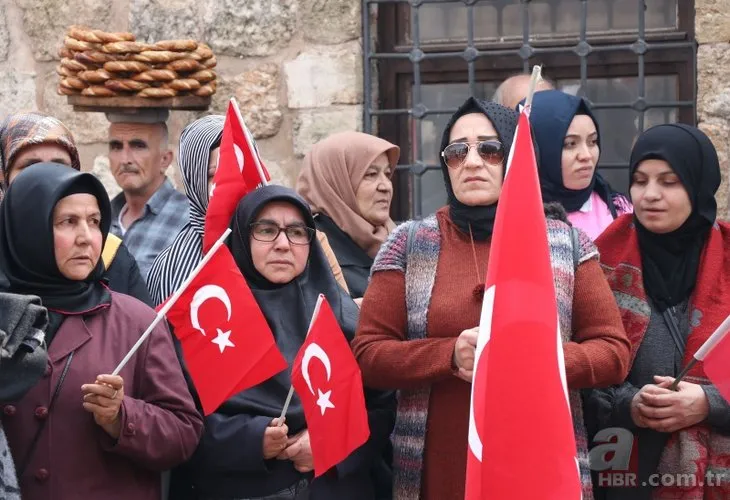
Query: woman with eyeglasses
point(420, 315)
point(669, 268)
point(244, 452)
point(568, 142)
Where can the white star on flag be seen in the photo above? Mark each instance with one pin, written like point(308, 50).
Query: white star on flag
point(223, 340)
point(324, 400)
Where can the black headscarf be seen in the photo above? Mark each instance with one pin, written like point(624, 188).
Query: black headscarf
point(480, 219)
point(670, 261)
point(27, 255)
point(288, 307)
point(551, 114)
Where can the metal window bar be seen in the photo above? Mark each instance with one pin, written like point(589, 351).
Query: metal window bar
point(417, 54)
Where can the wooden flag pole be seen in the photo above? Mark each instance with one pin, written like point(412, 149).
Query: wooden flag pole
point(171, 301)
point(704, 349)
point(682, 374)
point(534, 80)
point(291, 388)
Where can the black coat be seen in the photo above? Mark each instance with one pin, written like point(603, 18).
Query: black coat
point(229, 461)
point(353, 260)
point(124, 276)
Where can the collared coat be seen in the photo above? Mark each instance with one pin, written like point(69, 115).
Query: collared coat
point(353, 260)
point(75, 458)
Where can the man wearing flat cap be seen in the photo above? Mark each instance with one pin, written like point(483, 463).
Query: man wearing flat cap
point(149, 212)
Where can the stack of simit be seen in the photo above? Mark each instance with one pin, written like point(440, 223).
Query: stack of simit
point(101, 64)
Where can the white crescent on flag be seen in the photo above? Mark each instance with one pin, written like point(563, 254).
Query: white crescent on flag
point(313, 350)
point(239, 156)
point(203, 294)
point(485, 330)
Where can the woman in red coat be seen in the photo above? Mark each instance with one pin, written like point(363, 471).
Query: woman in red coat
point(79, 432)
point(668, 266)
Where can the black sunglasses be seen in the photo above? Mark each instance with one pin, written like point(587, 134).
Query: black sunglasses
point(490, 151)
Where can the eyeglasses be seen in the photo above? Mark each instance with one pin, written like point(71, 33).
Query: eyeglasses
point(268, 232)
point(490, 151)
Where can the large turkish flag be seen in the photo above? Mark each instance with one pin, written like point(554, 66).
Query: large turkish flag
point(521, 439)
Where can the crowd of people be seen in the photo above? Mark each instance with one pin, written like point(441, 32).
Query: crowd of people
point(640, 282)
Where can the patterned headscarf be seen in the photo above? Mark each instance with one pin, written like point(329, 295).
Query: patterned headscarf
point(174, 264)
point(20, 130)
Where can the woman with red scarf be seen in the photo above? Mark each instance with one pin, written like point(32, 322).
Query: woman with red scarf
point(668, 265)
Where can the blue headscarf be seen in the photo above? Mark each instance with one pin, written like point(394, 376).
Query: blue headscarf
point(551, 114)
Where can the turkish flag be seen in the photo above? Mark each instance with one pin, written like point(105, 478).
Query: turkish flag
point(519, 375)
point(329, 384)
point(714, 354)
point(226, 342)
point(240, 170)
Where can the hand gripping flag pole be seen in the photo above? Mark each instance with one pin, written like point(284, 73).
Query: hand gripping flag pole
point(717, 336)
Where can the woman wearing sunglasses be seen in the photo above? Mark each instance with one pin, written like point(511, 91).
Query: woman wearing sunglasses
point(420, 315)
point(244, 452)
point(569, 145)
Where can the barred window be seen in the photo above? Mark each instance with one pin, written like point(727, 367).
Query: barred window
point(633, 59)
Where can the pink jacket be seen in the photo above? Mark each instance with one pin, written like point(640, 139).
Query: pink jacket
point(595, 216)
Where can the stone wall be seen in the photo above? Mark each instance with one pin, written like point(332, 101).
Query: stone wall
point(712, 25)
point(295, 66)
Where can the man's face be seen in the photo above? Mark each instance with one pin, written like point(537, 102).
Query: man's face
point(138, 156)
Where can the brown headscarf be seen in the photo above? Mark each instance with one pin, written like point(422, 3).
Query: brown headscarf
point(332, 171)
point(20, 130)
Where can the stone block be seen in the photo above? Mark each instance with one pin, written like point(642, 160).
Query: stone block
point(86, 127)
point(313, 125)
point(713, 80)
point(102, 172)
point(179, 120)
point(718, 130)
point(17, 91)
point(257, 93)
point(46, 21)
point(250, 28)
point(712, 21)
point(278, 175)
point(155, 20)
point(325, 75)
point(4, 36)
point(331, 21)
